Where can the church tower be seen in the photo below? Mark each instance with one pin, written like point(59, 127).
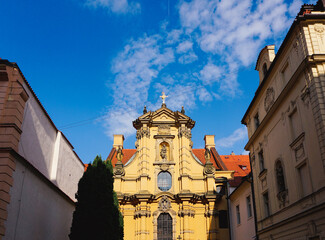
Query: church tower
point(166, 189)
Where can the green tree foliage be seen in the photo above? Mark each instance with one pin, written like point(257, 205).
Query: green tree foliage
point(96, 216)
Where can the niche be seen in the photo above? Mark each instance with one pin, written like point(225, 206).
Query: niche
point(164, 152)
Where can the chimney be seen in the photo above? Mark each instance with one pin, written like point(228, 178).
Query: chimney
point(209, 141)
point(118, 141)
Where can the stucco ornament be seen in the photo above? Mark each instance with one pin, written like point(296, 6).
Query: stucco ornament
point(164, 204)
point(319, 28)
point(184, 132)
point(164, 167)
point(163, 129)
point(143, 132)
point(269, 99)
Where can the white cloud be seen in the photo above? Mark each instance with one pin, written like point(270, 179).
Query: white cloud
point(204, 95)
point(115, 6)
point(184, 47)
point(227, 142)
point(237, 28)
point(245, 152)
point(222, 35)
point(134, 68)
point(210, 74)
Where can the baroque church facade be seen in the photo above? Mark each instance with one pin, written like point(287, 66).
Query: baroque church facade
point(166, 189)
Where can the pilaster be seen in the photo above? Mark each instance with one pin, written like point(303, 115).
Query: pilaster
point(12, 105)
point(185, 135)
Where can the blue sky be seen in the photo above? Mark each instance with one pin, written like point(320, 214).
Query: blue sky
point(94, 64)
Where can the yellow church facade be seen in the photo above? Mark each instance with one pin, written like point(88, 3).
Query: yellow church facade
point(166, 189)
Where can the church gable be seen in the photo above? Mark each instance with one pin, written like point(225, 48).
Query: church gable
point(163, 116)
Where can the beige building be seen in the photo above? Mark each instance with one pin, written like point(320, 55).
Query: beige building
point(241, 209)
point(286, 129)
point(39, 171)
point(166, 189)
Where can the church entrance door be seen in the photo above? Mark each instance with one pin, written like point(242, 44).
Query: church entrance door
point(165, 227)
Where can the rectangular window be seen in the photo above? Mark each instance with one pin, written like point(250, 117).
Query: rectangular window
point(295, 124)
point(238, 214)
point(256, 120)
point(223, 219)
point(304, 180)
point(249, 206)
point(261, 160)
point(266, 204)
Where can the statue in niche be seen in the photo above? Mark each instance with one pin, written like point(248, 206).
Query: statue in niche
point(280, 177)
point(163, 152)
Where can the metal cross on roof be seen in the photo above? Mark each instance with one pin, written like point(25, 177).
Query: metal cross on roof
point(163, 97)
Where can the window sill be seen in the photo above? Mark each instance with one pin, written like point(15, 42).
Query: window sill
point(262, 173)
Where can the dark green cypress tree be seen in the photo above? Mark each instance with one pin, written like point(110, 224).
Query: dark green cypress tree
point(96, 216)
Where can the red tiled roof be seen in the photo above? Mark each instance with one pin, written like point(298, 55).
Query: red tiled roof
point(127, 154)
point(199, 153)
point(238, 163)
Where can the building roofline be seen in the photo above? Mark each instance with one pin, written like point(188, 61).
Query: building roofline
point(247, 179)
point(15, 65)
point(300, 17)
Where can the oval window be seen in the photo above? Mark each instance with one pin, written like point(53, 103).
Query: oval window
point(164, 181)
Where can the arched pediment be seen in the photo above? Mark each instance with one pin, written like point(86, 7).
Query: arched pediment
point(163, 116)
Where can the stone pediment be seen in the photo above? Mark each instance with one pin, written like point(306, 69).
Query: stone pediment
point(163, 116)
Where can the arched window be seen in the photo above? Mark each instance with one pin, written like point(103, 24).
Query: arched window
point(165, 227)
point(280, 177)
point(264, 69)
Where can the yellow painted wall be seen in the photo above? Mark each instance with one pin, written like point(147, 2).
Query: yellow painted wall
point(194, 205)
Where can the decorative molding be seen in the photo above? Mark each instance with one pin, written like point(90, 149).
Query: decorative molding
point(164, 207)
point(211, 213)
point(184, 132)
point(298, 147)
point(164, 204)
point(119, 169)
point(143, 132)
point(319, 29)
point(163, 129)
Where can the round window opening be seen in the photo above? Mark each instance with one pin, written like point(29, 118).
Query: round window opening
point(164, 181)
